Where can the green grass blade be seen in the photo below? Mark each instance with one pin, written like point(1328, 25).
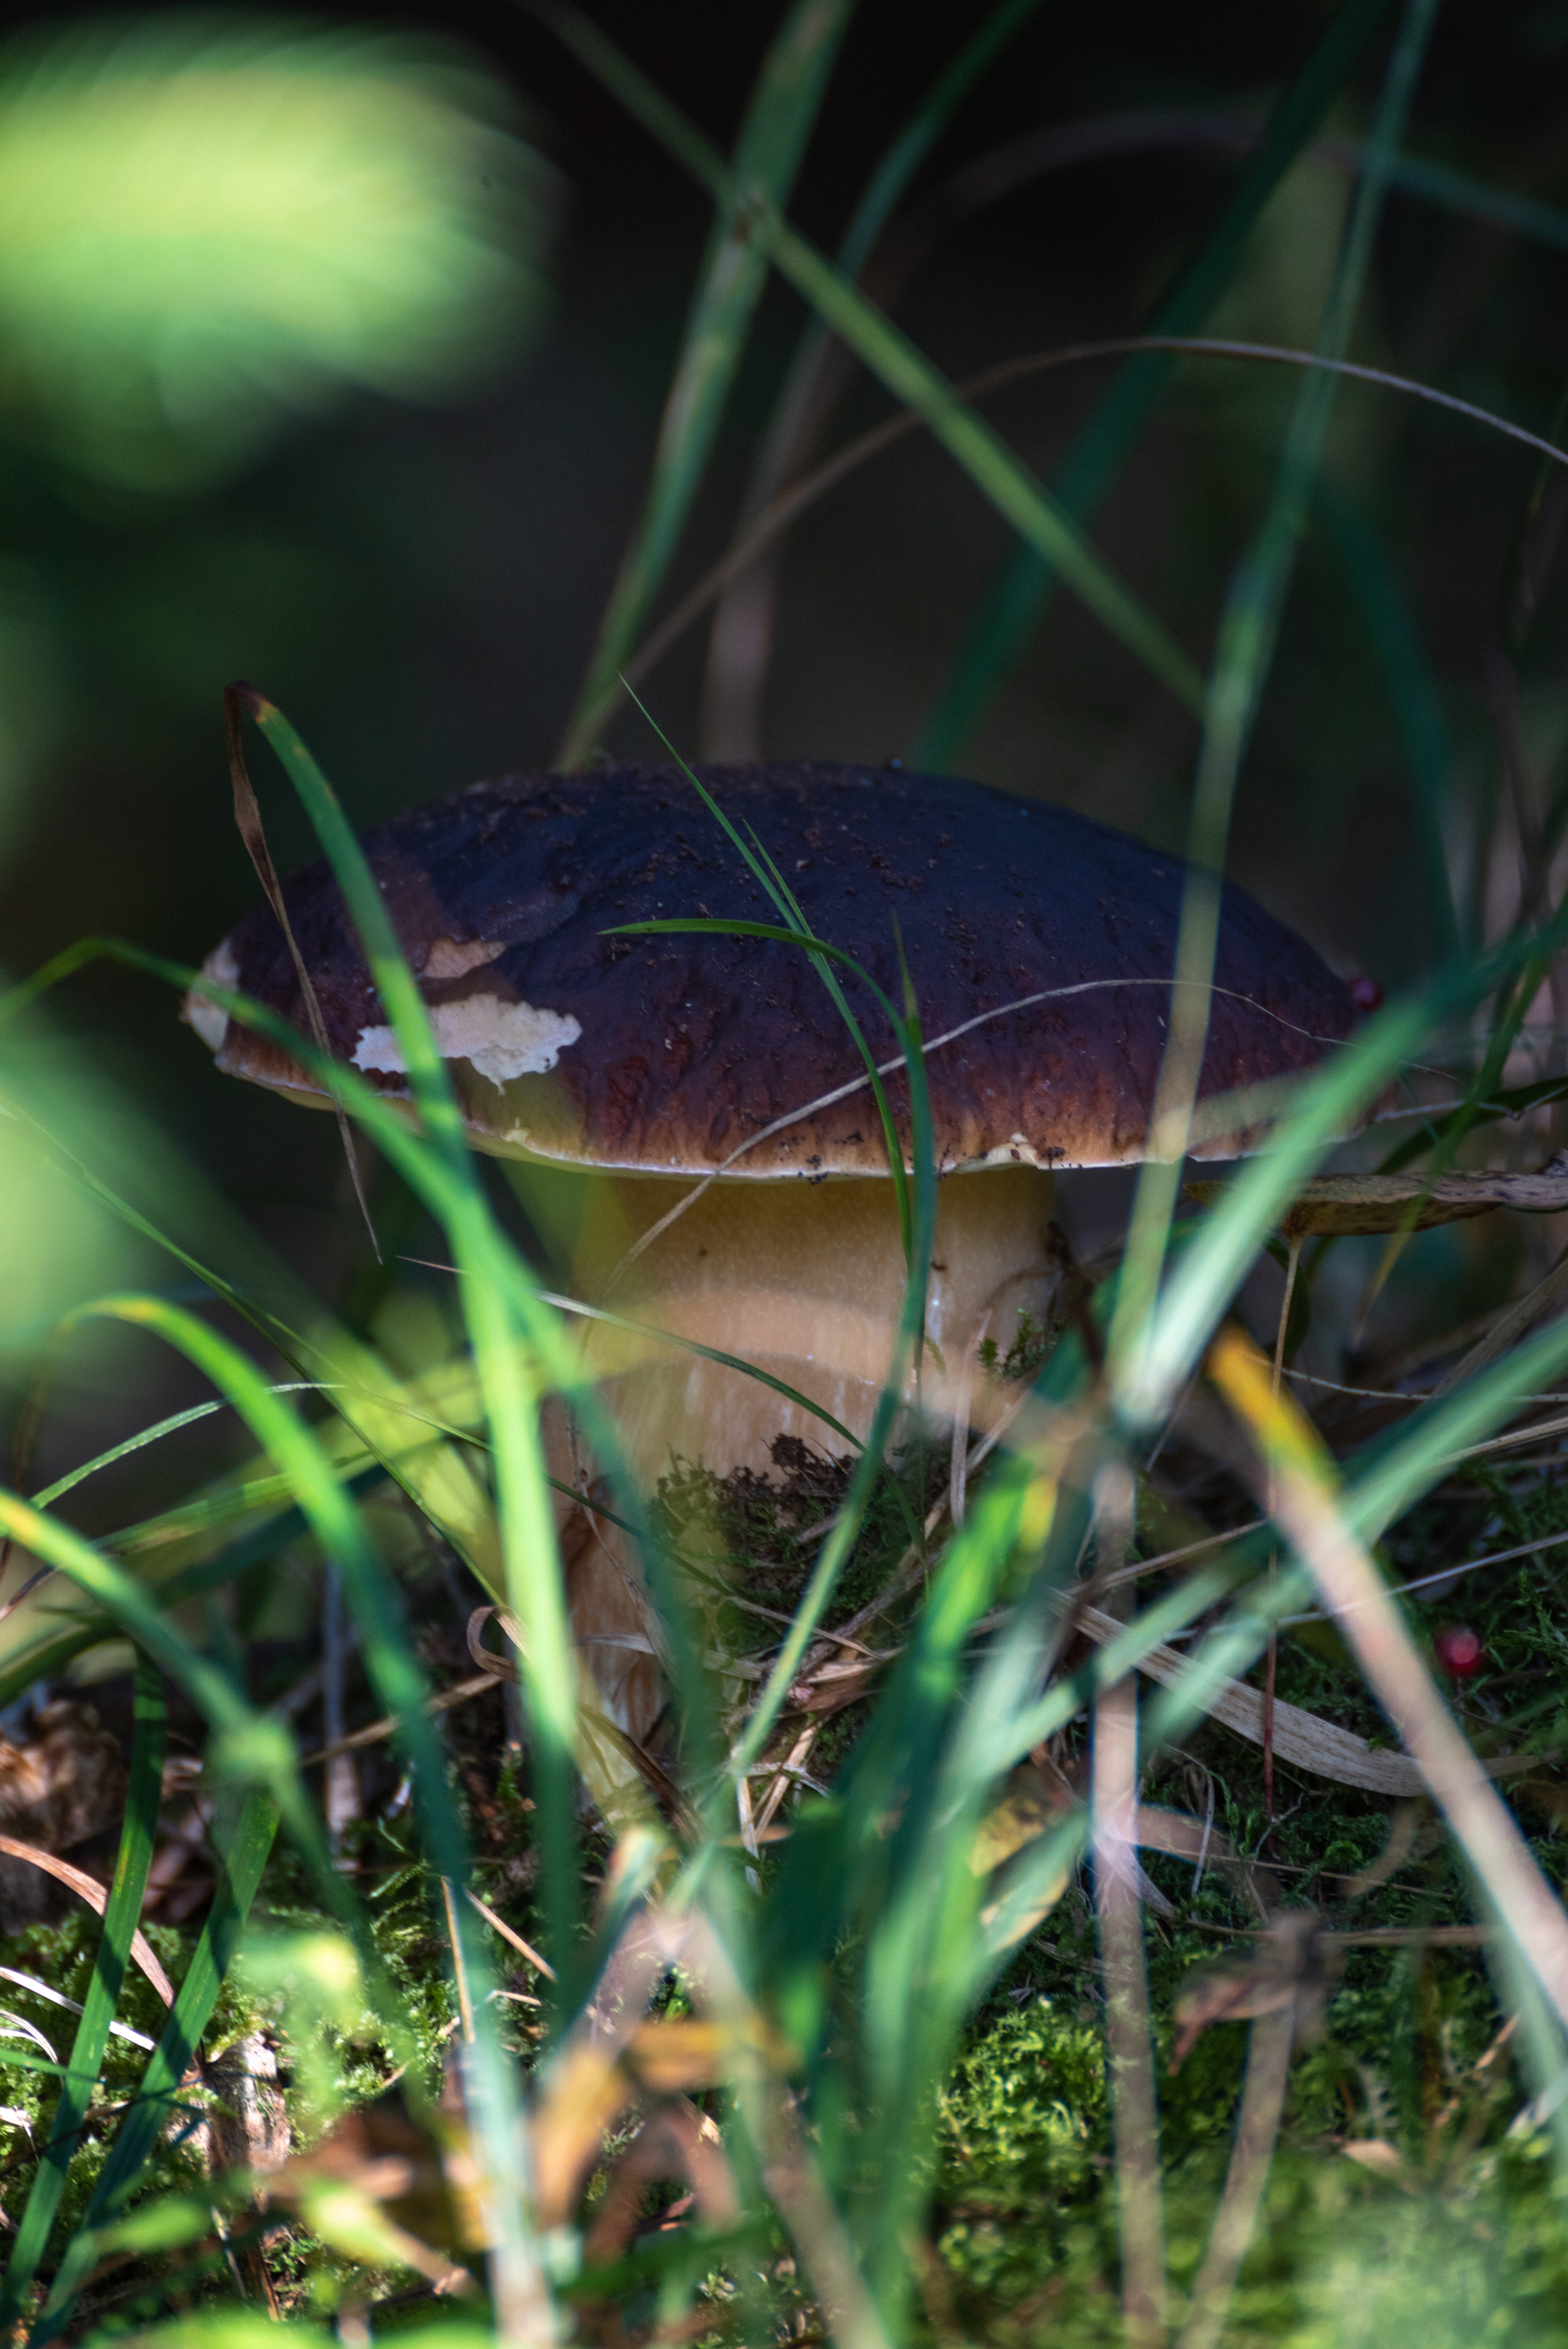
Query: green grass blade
point(444, 1181)
point(401, 1685)
point(1011, 607)
point(1249, 633)
point(773, 886)
point(903, 370)
point(119, 1924)
point(1212, 1268)
point(534, 1586)
point(778, 119)
point(958, 78)
point(170, 2060)
point(1391, 629)
point(1461, 192)
point(785, 446)
point(835, 1551)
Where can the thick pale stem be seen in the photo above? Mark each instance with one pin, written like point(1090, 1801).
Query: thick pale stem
point(806, 1282)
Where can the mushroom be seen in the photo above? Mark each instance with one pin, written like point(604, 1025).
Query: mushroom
point(1040, 946)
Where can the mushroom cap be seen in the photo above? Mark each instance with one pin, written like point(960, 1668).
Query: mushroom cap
point(1040, 946)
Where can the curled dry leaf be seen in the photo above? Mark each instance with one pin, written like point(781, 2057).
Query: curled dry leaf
point(838, 1682)
point(1350, 1206)
point(619, 1773)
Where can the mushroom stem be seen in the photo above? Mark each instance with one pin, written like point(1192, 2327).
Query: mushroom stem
point(806, 1281)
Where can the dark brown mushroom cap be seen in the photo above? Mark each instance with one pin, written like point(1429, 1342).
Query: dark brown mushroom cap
point(1054, 935)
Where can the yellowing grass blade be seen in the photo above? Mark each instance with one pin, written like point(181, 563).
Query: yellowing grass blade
point(1303, 1499)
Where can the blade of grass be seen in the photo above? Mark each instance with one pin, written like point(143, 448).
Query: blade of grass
point(1011, 608)
point(778, 119)
point(774, 885)
point(527, 1530)
point(119, 1924)
point(1383, 1483)
point(403, 1692)
point(742, 625)
point(1249, 632)
point(440, 1184)
point(139, 2132)
point(1301, 1483)
point(1216, 1261)
point(1391, 629)
point(1329, 1100)
point(804, 492)
point(903, 370)
point(253, 832)
point(834, 1552)
point(442, 1490)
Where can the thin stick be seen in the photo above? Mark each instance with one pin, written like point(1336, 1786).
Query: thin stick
point(1129, 2038)
point(786, 1775)
point(524, 1949)
point(747, 1826)
point(341, 1791)
point(1293, 1266)
point(1257, 2127)
point(459, 1969)
point(458, 1694)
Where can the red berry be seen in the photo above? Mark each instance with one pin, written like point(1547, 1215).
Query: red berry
point(1365, 994)
point(1459, 1652)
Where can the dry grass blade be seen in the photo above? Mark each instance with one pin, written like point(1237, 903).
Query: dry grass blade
point(442, 1702)
point(96, 1898)
point(508, 1933)
point(1282, 1990)
point(1547, 1296)
point(1299, 1736)
point(1351, 1588)
point(795, 2183)
point(248, 818)
point(1263, 2102)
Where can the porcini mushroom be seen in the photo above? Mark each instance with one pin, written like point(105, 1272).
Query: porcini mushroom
point(1040, 946)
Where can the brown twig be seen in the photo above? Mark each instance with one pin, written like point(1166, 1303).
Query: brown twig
point(508, 1933)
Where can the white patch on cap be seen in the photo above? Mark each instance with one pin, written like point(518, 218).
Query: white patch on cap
point(210, 1021)
point(447, 959)
point(502, 1040)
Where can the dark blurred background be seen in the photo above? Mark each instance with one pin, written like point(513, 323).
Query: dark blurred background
point(416, 575)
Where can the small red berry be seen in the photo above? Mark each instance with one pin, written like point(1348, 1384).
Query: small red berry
point(1365, 994)
point(1459, 1652)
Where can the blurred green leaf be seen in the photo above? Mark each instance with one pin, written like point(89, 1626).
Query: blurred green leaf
point(209, 223)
